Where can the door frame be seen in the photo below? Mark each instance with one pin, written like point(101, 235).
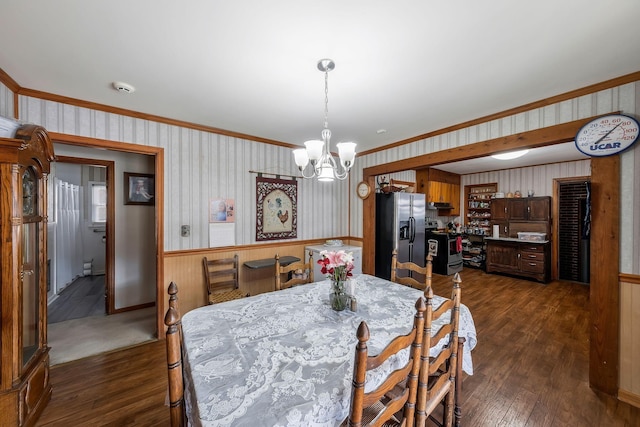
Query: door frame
point(158, 155)
point(109, 266)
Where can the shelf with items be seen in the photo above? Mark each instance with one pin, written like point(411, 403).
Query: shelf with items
point(478, 200)
point(474, 251)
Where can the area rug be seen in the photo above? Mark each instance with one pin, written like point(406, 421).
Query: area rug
point(78, 338)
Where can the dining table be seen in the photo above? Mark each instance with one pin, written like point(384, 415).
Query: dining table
point(285, 358)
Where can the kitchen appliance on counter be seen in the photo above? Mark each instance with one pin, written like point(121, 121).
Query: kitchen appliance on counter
point(448, 260)
point(399, 225)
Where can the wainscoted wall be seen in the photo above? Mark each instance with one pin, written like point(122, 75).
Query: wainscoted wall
point(629, 342)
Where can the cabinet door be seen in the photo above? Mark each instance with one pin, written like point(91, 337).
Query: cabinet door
point(503, 226)
point(518, 209)
point(499, 209)
point(539, 209)
point(502, 255)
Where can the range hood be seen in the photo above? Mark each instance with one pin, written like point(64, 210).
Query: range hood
point(443, 205)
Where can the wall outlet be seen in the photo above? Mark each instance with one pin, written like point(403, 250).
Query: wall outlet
point(185, 230)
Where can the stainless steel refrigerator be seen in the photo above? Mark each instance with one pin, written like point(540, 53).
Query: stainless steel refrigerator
point(399, 224)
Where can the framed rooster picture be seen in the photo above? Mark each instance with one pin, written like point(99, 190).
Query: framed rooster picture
point(276, 208)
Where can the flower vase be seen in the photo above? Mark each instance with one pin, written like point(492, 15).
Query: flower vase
point(338, 298)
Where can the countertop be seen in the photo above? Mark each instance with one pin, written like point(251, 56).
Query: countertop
point(513, 239)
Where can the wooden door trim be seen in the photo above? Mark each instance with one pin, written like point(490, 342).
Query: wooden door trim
point(158, 153)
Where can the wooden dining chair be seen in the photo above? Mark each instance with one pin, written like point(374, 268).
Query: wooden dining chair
point(421, 272)
point(393, 402)
point(298, 273)
point(437, 380)
point(221, 279)
point(174, 360)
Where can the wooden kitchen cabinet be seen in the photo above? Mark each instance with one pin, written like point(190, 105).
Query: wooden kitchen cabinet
point(440, 187)
point(24, 376)
point(521, 209)
point(519, 258)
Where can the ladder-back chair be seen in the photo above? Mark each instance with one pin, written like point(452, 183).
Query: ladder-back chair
point(221, 279)
point(437, 381)
point(298, 273)
point(393, 402)
point(421, 272)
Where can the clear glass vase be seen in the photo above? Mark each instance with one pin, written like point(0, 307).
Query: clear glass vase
point(338, 298)
point(338, 301)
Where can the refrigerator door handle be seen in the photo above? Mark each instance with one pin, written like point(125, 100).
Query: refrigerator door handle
point(412, 229)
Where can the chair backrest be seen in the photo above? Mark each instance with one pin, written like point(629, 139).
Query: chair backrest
point(399, 389)
point(221, 275)
point(300, 273)
point(438, 374)
point(411, 281)
point(174, 360)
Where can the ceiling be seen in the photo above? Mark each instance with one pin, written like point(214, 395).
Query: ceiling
point(249, 66)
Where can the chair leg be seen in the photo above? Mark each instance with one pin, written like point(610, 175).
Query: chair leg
point(458, 384)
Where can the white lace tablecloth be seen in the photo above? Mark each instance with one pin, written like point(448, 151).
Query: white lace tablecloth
point(285, 358)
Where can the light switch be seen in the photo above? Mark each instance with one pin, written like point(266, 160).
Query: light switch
point(185, 230)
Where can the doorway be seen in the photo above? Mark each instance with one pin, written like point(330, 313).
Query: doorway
point(574, 229)
point(81, 213)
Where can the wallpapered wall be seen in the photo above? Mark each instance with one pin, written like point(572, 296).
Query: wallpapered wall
point(200, 166)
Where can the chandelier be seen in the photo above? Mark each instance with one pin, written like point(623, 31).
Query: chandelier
point(317, 152)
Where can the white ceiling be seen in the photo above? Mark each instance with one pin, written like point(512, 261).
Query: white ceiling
point(249, 66)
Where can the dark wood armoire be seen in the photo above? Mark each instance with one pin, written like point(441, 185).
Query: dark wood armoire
point(25, 389)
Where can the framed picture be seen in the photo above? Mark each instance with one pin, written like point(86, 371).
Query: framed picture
point(139, 189)
point(222, 210)
point(277, 209)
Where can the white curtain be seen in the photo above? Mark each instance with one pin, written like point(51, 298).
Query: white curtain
point(68, 243)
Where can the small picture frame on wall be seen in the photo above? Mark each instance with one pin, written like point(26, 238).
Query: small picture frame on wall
point(139, 189)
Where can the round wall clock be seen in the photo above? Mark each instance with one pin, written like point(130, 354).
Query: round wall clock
point(607, 135)
point(363, 189)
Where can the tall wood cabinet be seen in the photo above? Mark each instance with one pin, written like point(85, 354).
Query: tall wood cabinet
point(24, 375)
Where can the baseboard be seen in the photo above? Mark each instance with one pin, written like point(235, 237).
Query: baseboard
point(628, 397)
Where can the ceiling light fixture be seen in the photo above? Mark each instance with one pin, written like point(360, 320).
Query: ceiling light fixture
point(317, 152)
point(511, 155)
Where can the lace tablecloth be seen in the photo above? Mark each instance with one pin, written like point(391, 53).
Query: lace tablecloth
point(285, 358)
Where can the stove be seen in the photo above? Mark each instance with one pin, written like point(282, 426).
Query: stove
point(448, 258)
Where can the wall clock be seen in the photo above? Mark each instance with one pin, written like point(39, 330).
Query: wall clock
point(607, 135)
point(363, 189)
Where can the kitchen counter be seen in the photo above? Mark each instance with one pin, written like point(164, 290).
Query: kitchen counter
point(514, 239)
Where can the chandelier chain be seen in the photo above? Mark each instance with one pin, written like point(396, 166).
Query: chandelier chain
point(326, 99)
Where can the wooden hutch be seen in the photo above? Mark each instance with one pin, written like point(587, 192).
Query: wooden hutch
point(25, 389)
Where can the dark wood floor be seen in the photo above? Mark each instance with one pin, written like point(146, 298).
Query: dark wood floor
point(82, 298)
point(531, 366)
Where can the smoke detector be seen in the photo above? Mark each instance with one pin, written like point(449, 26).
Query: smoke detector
point(123, 87)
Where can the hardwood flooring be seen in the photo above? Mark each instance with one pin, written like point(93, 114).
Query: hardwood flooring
point(531, 366)
point(82, 298)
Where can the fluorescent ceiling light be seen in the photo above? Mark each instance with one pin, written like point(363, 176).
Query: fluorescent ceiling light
point(510, 155)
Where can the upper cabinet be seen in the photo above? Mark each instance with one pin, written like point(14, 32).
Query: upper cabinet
point(514, 215)
point(521, 209)
point(440, 188)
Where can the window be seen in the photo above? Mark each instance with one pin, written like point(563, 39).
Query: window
point(98, 202)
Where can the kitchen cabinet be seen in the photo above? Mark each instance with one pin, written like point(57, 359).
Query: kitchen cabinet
point(478, 199)
point(521, 209)
point(25, 389)
point(519, 258)
point(440, 187)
